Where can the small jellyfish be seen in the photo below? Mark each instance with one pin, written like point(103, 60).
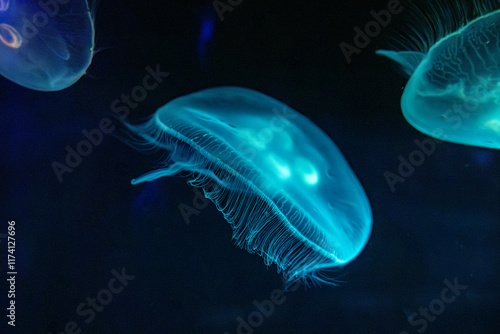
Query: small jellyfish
point(45, 45)
point(280, 181)
point(453, 92)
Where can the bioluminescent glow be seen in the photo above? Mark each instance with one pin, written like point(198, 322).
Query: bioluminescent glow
point(454, 90)
point(206, 35)
point(45, 45)
point(279, 180)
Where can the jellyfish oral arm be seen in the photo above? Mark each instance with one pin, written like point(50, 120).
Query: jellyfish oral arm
point(173, 169)
point(190, 164)
point(409, 60)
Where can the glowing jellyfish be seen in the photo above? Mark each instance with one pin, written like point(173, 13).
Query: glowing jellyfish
point(279, 180)
point(454, 89)
point(45, 45)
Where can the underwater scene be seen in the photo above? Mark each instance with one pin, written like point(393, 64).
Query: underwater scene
point(238, 166)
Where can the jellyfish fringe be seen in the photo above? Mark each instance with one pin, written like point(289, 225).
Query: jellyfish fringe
point(260, 224)
point(428, 21)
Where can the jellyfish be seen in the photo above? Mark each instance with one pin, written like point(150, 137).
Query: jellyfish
point(45, 45)
point(279, 180)
point(452, 55)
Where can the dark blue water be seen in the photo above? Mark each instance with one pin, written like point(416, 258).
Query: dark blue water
point(95, 254)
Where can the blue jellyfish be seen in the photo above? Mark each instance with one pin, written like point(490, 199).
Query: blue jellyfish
point(45, 45)
point(280, 181)
point(453, 93)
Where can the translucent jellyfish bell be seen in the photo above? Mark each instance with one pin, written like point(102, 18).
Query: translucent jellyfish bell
point(45, 45)
point(279, 180)
point(454, 89)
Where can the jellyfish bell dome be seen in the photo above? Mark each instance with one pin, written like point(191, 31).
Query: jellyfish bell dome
point(279, 180)
point(45, 45)
point(454, 89)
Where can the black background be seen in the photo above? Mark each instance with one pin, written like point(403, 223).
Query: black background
point(442, 223)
